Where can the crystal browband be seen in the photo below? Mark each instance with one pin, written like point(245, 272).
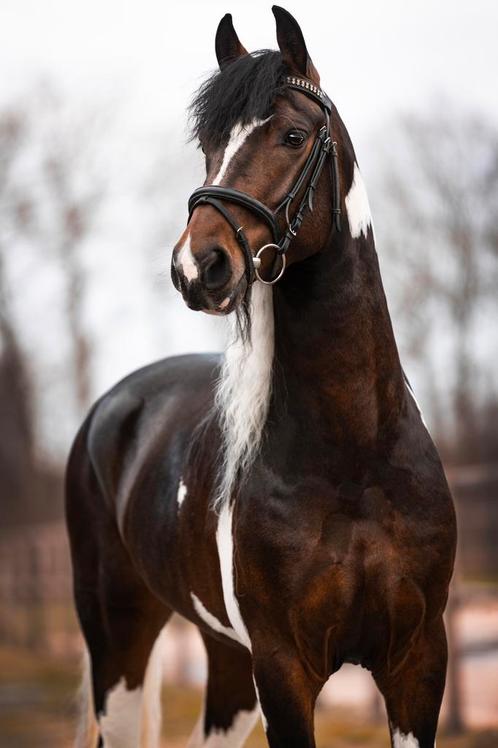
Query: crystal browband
point(310, 89)
point(306, 85)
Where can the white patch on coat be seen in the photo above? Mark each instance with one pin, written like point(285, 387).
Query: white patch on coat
point(408, 385)
point(132, 718)
point(224, 542)
point(211, 620)
point(262, 714)
point(404, 741)
point(238, 136)
point(358, 207)
point(120, 722)
point(234, 737)
point(244, 390)
point(182, 492)
point(186, 263)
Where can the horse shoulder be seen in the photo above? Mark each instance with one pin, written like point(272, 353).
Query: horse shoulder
point(125, 427)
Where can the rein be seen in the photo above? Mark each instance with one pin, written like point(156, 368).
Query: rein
point(323, 148)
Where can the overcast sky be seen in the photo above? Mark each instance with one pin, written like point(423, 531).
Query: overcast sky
point(375, 56)
point(148, 56)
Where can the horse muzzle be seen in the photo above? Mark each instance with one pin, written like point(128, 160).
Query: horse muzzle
point(206, 280)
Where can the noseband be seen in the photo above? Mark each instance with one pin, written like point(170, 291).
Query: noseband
point(323, 147)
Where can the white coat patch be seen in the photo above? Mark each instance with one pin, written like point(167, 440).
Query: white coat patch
point(358, 207)
point(182, 492)
point(238, 136)
point(234, 737)
point(263, 718)
point(211, 620)
point(224, 541)
point(120, 723)
point(404, 741)
point(244, 390)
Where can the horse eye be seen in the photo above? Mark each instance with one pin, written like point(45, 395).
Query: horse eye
point(295, 138)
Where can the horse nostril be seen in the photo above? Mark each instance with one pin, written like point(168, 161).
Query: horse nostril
point(215, 269)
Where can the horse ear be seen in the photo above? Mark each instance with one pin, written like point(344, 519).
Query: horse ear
point(227, 44)
point(292, 45)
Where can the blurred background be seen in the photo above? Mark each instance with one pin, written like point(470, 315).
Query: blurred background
point(95, 170)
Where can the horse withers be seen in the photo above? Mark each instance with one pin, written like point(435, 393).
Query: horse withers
point(286, 498)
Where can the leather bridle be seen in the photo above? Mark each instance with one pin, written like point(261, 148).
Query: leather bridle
point(323, 148)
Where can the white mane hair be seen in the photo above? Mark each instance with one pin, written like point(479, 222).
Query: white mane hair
point(244, 389)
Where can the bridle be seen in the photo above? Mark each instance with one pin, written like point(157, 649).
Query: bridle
point(323, 147)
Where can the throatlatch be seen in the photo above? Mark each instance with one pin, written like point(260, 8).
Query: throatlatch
point(323, 147)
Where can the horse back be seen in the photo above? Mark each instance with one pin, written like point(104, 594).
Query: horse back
point(145, 420)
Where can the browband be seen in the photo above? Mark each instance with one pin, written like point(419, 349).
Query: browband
point(310, 89)
point(323, 147)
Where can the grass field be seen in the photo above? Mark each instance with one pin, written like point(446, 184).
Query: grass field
point(38, 709)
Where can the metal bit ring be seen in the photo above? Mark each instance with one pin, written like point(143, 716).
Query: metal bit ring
point(257, 264)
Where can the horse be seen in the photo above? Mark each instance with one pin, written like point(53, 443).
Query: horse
point(286, 497)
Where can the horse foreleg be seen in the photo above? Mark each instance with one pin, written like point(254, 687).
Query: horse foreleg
point(413, 693)
point(287, 693)
point(230, 708)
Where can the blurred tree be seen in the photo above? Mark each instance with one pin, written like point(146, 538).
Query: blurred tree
point(50, 190)
point(75, 189)
point(16, 418)
point(437, 198)
point(17, 464)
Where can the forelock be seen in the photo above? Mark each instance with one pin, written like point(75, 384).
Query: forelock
point(243, 91)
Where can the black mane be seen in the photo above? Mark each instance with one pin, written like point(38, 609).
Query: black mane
point(241, 92)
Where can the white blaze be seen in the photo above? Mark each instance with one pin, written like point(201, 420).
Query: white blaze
point(238, 136)
point(185, 259)
point(358, 207)
point(186, 262)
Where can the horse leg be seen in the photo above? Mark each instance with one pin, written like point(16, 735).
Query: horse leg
point(287, 693)
point(230, 708)
point(413, 693)
point(121, 623)
point(120, 620)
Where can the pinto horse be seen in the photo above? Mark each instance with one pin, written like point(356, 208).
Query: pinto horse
point(286, 498)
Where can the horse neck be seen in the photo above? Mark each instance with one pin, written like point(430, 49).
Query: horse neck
point(336, 368)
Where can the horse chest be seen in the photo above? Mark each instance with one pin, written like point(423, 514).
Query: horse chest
point(319, 560)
